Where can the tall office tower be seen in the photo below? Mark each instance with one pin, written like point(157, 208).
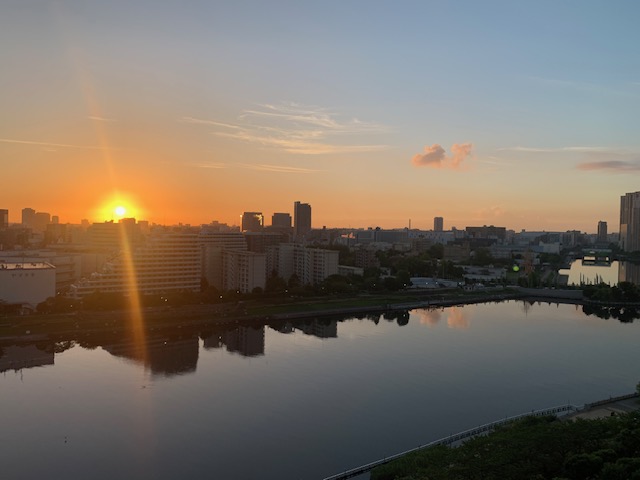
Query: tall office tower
point(630, 222)
point(301, 220)
point(438, 224)
point(55, 219)
point(4, 218)
point(252, 221)
point(602, 232)
point(28, 216)
point(281, 220)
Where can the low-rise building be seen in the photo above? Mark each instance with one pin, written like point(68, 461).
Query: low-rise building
point(27, 284)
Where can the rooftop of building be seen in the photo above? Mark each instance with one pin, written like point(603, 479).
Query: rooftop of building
point(25, 266)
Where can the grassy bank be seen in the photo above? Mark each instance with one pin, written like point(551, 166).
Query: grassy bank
point(533, 448)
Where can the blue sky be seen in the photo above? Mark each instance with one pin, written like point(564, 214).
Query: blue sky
point(201, 110)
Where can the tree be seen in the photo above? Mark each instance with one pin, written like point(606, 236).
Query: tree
point(294, 281)
point(275, 284)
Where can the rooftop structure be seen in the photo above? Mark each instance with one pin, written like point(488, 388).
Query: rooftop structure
point(27, 283)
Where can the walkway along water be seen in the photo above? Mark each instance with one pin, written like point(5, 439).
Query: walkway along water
point(570, 411)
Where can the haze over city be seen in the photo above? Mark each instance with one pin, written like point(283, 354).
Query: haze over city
point(503, 113)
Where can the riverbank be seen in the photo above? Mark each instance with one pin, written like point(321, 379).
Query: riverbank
point(609, 426)
point(271, 309)
point(29, 326)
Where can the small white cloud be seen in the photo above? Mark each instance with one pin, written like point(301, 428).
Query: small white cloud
point(435, 156)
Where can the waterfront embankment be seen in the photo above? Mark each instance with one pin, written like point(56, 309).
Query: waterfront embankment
point(28, 327)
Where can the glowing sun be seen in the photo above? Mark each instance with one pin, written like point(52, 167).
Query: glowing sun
point(120, 211)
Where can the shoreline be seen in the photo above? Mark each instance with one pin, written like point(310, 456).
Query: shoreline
point(28, 327)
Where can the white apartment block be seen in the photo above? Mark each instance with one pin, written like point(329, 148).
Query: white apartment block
point(244, 271)
point(167, 262)
point(310, 265)
point(213, 244)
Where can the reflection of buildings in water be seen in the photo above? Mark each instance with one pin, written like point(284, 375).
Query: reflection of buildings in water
point(213, 341)
point(247, 341)
point(285, 328)
point(319, 329)
point(164, 356)
point(17, 357)
point(456, 317)
point(629, 272)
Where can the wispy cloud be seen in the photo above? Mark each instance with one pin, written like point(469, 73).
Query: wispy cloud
point(579, 149)
point(586, 87)
point(435, 156)
point(595, 158)
point(278, 168)
point(47, 144)
point(495, 211)
point(613, 166)
point(100, 119)
point(208, 165)
point(295, 128)
point(262, 167)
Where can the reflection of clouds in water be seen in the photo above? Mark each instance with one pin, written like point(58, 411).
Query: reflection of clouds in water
point(429, 317)
point(456, 317)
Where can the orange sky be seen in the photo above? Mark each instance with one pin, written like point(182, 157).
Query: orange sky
point(194, 116)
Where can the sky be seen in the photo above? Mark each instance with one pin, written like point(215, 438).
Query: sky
point(509, 113)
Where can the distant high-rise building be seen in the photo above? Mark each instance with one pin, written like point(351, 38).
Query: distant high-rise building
point(28, 216)
point(252, 221)
point(41, 220)
point(4, 218)
point(281, 220)
point(438, 224)
point(301, 220)
point(35, 220)
point(630, 222)
point(602, 231)
point(55, 219)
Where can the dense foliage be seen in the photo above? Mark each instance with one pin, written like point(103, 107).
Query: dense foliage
point(623, 292)
point(533, 448)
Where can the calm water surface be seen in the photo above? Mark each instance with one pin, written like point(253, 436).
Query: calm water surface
point(300, 402)
point(611, 274)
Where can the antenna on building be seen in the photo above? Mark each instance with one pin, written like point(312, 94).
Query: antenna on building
point(409, 224)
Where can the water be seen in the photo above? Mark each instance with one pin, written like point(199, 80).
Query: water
point(304, 401)
point(580, 273)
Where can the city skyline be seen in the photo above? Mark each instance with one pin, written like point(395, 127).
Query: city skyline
point(519, 115)
point(29, 217)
